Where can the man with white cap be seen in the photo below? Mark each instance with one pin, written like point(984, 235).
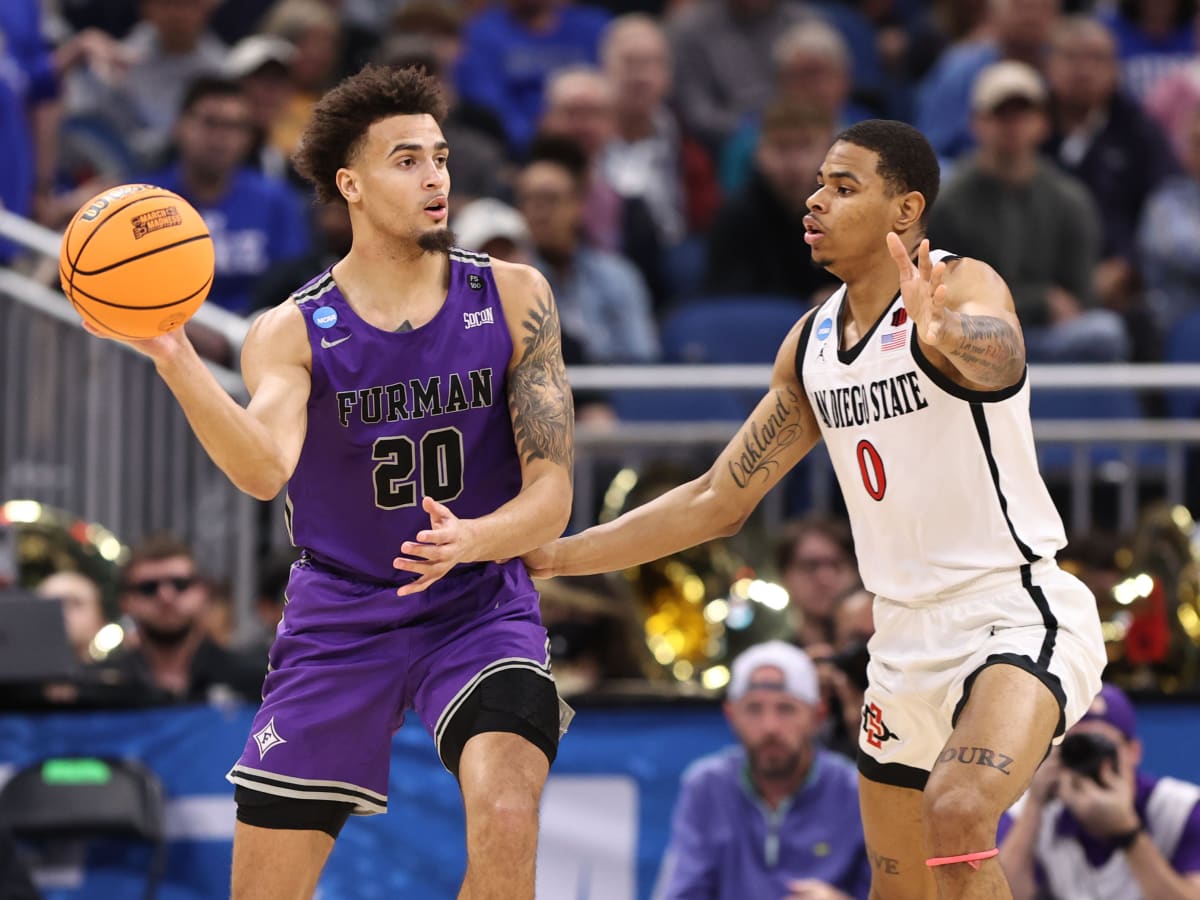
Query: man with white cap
point(1035, 225)
point(775, 818)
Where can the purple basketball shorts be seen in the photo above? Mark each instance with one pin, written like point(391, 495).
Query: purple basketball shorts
point(349, 659)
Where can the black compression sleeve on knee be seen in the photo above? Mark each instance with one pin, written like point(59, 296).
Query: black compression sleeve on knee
point(264, 810)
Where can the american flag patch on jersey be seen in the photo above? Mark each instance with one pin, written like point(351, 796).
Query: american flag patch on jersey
point(893, 340)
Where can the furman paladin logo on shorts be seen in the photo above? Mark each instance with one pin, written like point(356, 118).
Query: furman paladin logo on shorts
point(267, 738)
point(155, 220)
point(875, 728)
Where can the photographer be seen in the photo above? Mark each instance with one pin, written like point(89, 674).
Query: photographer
point(1092, 827)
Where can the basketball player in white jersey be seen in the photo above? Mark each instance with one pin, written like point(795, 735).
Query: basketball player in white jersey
point(914, 374)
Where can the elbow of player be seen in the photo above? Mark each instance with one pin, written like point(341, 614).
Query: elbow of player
point(264, 483)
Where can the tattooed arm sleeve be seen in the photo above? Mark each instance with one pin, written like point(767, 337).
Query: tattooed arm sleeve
point(539, 397)
point(982, 336)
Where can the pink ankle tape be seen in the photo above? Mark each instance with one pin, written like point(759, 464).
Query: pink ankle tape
point(971, 859)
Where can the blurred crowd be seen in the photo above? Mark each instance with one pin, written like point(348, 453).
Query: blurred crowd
point(648, 154)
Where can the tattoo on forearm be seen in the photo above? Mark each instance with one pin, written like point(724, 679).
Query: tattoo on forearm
point(764, 441)
point(990, 346)
point(977, 756)
point(885, 865)
point(539, 396)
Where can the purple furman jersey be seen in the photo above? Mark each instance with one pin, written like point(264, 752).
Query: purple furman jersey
point(397, 416)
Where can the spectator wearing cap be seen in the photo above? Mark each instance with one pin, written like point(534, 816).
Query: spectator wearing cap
point(1034, 224)
point(1121, 834)
point(776, 816)
point(495, 228)
point(1015, 30)
point(259, 64)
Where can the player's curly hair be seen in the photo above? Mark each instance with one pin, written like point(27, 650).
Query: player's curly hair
point(906, 159)
point(340, 121)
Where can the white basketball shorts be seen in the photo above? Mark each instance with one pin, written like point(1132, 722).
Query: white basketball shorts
point(926, 653)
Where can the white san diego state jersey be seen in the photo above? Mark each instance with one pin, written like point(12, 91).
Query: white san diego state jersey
point(941, 482)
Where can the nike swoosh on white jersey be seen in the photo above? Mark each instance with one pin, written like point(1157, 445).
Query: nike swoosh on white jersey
point(326, 344)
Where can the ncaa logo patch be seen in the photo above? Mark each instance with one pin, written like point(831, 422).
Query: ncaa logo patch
point(325, 317)
point(824, 329)
point(474, 282)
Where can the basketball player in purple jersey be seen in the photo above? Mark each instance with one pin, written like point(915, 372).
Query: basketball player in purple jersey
point(414, 402)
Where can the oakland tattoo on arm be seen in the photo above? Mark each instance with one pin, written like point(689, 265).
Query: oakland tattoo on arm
point(763, 441)
point(989, 350)
point(539, 397)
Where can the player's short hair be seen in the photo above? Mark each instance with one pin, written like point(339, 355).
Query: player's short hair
point(339, 123)
point(560, 151)
point(906, 159)
point(208, 86)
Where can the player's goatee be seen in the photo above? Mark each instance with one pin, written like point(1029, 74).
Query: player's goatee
point(437, 241)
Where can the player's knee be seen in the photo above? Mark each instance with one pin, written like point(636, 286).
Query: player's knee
point(511, 806)
point(960, 815)
point(263, 810)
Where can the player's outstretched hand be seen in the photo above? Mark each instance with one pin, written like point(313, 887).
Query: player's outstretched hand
point(922, 288)
point(445, 543)
point(159, 348)
point(540, 562)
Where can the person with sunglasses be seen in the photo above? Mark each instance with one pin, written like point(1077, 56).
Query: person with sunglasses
point(169, 655)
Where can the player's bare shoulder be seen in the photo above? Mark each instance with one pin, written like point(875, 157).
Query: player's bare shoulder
point(969, 279)
point(529, 309)
point(522, 288)
point(278, 337)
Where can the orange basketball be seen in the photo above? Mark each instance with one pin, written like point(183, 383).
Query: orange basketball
point(136, 261)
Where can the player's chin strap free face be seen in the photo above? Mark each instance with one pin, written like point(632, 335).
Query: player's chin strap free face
point(971, 859)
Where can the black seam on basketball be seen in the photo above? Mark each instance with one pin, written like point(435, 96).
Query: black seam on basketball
point(84, 312)
point(84, 293)
point(197, 237)
point(96, 230)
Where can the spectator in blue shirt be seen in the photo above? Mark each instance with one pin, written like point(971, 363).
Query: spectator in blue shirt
point(255, 221)
point(775, 818)
point(511, 49)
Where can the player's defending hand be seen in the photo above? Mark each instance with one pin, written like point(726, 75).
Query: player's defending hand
point(922, 288)
point(444, 544)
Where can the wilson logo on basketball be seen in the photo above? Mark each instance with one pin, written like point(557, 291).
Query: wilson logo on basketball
point(102, 202)
point(155, 220)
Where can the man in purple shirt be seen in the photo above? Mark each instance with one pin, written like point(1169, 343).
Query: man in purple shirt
point(775, 818)
point(1119, 834)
